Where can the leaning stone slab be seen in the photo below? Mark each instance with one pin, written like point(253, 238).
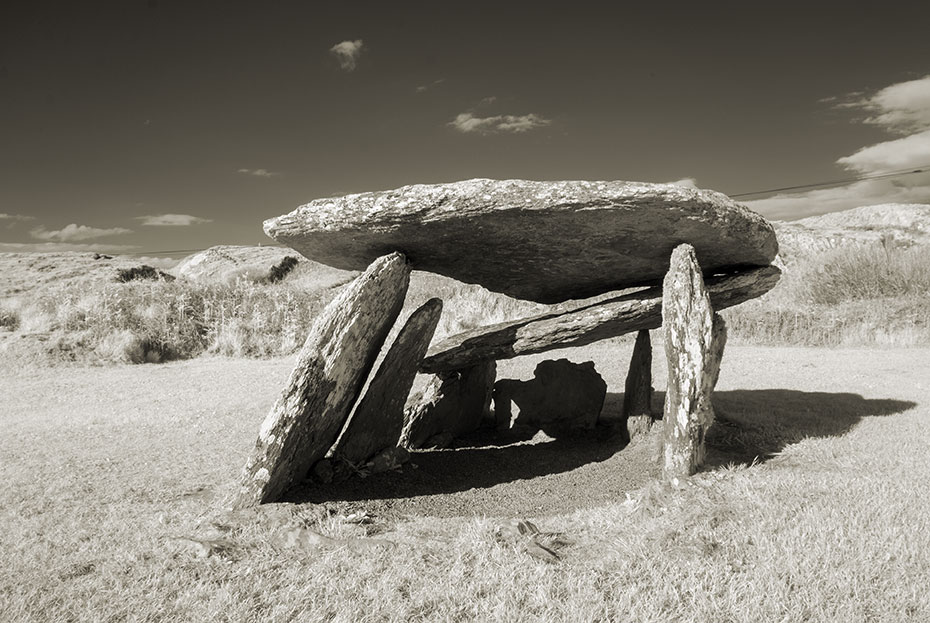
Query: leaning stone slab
point(540, 241)
point(584, 323)
point(379, 416)
point(331, 369)
point(452, 404)
point(562, 395)
point(694, 341)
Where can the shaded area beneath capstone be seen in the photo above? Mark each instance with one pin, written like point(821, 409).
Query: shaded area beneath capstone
point(510, 476)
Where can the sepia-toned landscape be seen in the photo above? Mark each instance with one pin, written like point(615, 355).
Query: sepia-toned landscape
point(486, 311)
point(130, 404)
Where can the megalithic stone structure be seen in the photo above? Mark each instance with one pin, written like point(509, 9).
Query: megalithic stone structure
point(693, 349)
point(637, 391)
point(331, 370)
point(379, 417)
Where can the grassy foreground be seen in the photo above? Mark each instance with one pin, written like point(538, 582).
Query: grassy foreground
point(98, 485)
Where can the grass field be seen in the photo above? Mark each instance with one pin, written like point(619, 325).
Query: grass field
point(104, 468)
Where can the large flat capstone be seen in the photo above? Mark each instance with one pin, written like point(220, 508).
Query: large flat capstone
point(540, 241)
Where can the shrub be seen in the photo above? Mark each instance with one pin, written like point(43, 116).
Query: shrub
point(143, 272)
point(281, 270)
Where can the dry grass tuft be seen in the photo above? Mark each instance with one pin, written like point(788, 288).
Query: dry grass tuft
point(857, 295)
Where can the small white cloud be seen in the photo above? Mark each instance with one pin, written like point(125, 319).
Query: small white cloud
point(259, 172)
point(687, 182)
point(49, 247)
point(171, 220)
point(74, 232)
point(488, 101)
point(12, 219)
point(347, 53)
point(423, 88)
point(467, 123)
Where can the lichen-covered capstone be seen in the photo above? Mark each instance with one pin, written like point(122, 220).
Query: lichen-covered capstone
point(331, 369)
point(541, 241)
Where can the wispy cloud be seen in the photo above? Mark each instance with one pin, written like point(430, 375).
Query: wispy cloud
point(48, 247)
point(423, 88)
point(347, 53)
point(469, 123)
point(74, 232)
point(903, 109)
point(171, 220)
point(259, 172)
point(11, 220)
point(15, 217)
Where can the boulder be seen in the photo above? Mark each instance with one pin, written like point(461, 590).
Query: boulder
point(452, 404)
point(562, 395)
point(379, 416)
point(584, 323)
point(694, 341)
point(331, 369)
point(541, 241)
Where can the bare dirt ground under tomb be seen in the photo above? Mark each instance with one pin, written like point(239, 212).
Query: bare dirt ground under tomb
point(178, 433)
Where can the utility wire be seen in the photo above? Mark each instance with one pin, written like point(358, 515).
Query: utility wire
point(924, 168)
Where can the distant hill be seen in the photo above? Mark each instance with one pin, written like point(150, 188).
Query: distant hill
point(897, 223)
point(226, 264)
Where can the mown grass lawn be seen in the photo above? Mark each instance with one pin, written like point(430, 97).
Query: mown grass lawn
point(103, 468)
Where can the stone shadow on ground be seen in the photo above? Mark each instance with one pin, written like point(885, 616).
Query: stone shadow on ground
point(751, 425)
point(754, 425)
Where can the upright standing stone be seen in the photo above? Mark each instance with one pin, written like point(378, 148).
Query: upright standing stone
point(637, 391)
point(379, 417)
point(693, 364)
point(331, 370)
point(453, 403)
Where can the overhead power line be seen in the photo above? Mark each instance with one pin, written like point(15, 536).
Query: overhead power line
point(924, 168)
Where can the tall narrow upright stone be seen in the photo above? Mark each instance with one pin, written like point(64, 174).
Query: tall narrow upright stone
point(379, 417)
point(693, 364)
point(331, 369)
point(637, 391)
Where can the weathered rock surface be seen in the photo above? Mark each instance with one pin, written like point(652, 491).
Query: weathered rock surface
point(561, 395)
point(331, 369)
point(452, 404)
point(693, 350)
point(540, 241)
point(585, 323)
point(379, 416)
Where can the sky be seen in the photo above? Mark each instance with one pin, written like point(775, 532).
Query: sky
point(158, 125)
